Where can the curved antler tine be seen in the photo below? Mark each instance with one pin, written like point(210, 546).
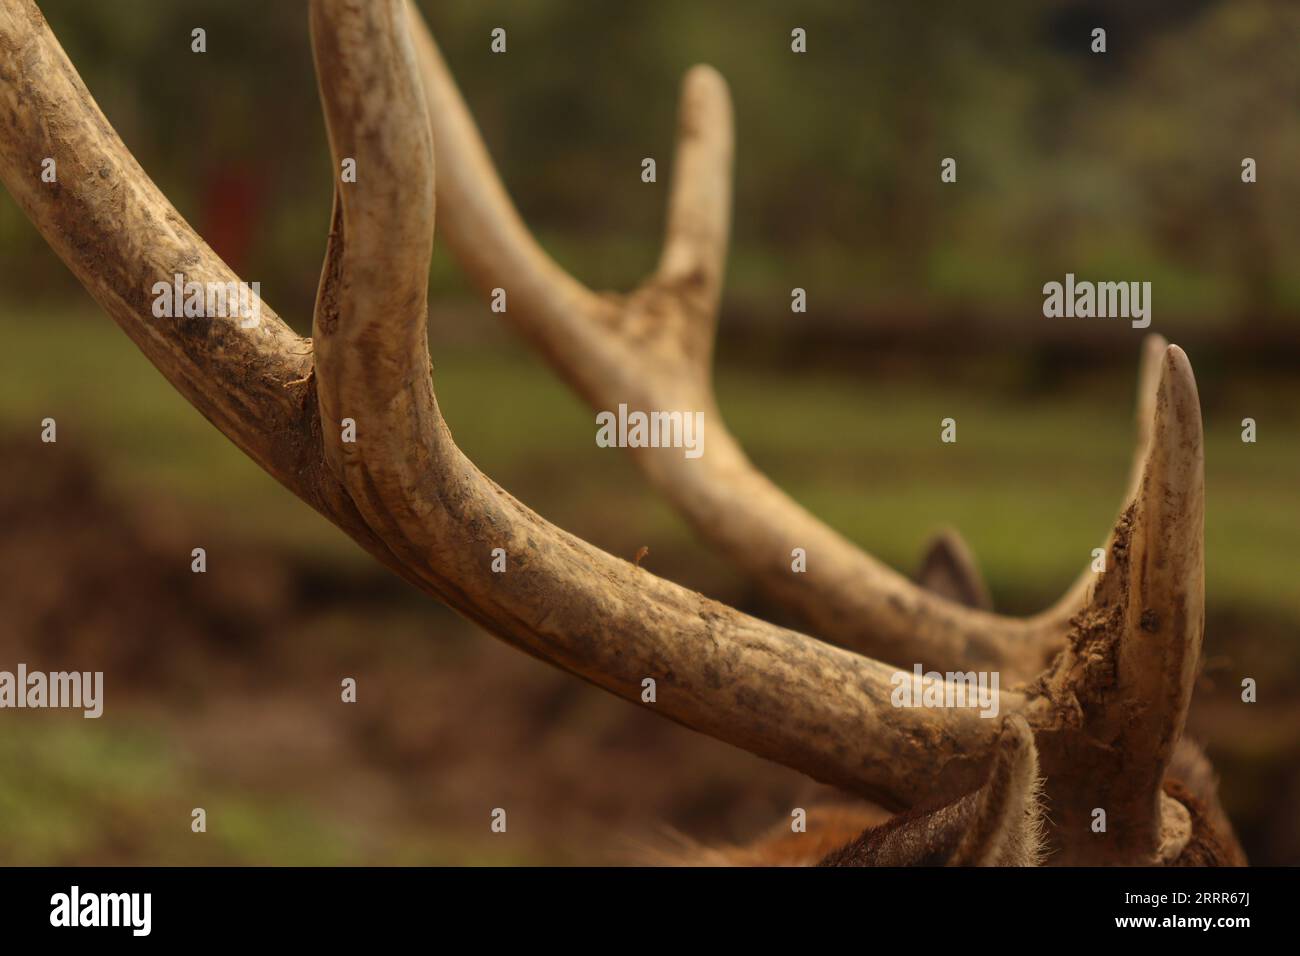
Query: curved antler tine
point(778, 694)
point(699, 206)
point(584, 334)
point(1165, 614)
point(381, 238)
point(1121, 690)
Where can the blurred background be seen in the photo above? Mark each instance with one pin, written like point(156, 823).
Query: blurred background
point(924, 301)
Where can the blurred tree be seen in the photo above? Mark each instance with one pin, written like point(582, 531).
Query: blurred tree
point(1223, 88)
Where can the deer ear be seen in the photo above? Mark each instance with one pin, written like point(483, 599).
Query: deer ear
point(1000, 824)
point(1006, 827)
point(948, 569)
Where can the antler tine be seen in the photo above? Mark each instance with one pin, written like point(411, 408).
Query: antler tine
point(1165, 611)
point(552, 309)
point(1119, 693)
point(381, 238)
point(694, 256)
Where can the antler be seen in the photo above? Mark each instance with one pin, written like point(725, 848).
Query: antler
point(652, 349)
point(403, 490)
point(409, 496)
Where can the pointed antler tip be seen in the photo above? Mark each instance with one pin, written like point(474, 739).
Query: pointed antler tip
point(1176, 357)
point(705, 78)
point(706, 99)
point(1174, 459)
point(1178, 395)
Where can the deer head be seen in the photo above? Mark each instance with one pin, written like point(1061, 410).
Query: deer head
point(1094, 692)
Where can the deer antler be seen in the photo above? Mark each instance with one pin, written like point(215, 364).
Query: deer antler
point(403, 490)
point(652, 349)
point(407, 494)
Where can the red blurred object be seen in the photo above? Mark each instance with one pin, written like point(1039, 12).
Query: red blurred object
point(230, 211)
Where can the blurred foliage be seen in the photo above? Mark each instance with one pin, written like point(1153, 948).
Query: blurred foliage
point(1125, 165)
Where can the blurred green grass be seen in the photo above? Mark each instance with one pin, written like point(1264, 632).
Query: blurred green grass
point(1033, 481)
point(79, 791)
point(94, 792)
